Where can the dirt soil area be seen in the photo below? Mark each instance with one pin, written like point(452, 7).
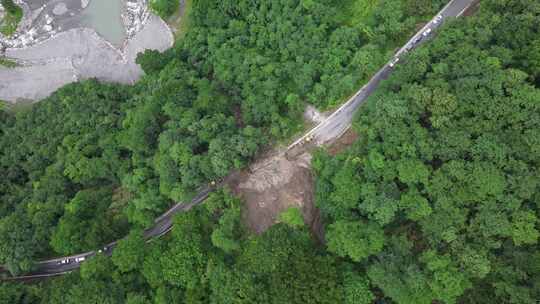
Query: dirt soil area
point(342, 143)
point(273, 184)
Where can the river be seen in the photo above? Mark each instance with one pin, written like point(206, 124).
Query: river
point(104, 16)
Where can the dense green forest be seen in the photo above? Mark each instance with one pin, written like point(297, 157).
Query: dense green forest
point(93, 160)
point(439, 198)
point(208, 258)
point(437, 201)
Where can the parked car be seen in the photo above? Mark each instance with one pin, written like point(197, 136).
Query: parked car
point(426, 32)
point(63, 262)
point(80, 259)
point(393, 62)
point(437, 19)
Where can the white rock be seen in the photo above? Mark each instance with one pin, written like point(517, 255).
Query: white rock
point(60, 9)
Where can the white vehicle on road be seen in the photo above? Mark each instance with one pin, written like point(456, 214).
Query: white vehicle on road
point(437, 19)
point(63, 262)
point(80, 259)
point(393, 62)
point(426, 32)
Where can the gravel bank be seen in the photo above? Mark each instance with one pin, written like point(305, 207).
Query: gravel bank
point(77, 54)
point(36, 81)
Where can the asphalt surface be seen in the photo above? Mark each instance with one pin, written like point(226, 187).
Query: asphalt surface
point(334, 126)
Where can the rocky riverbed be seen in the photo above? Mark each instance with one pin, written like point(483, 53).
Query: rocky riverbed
point(54, 47)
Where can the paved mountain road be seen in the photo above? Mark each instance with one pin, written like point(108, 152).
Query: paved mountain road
point(335, 125)
point(163, 225)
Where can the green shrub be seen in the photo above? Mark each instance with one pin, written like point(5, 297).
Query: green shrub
point(10, 6)
point(164, 8)
point(8, 63)
point(14, 14)
point(292, 217)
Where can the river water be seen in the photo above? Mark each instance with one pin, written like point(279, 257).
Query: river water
point(105, 17)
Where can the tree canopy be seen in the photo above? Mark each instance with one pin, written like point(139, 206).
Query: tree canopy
point(93, 160)
point(447, 164)
point(436, 202)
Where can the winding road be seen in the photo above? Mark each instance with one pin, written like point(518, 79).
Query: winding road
point(333, 127)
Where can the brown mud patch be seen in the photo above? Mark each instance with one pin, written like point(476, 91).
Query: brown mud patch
point(275, 183)
point(343, 142)
point(272, 185)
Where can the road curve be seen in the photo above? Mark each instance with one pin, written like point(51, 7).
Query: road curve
point(334, 126)
point(162, 225)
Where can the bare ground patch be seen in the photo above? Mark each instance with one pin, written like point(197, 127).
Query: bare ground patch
point(273, 184)
point(343, 142)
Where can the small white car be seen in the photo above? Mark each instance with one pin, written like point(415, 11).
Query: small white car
point(393, 62)
point(437, 19)
point(63, 262)
point(80, 259)
point(426, 32)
